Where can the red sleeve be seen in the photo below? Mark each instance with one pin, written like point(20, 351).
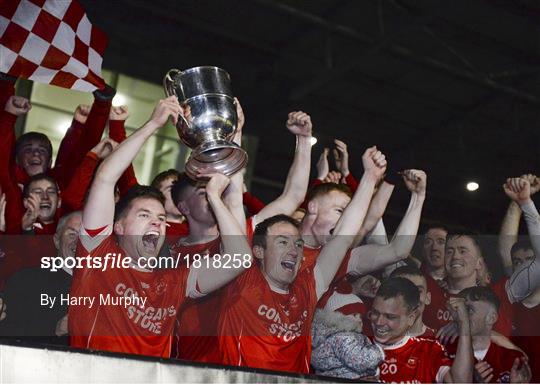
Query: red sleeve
point(117, 132)
point(14, 207)
point(75, 192)
point(7, 89)
point(315, 182)
point(351, 181)
point(63, 167)
point(7, 144)
point(90, 136)
point(253, 204)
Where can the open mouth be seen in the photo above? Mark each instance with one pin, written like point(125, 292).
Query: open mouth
point(35, 162)
point(381, 332)
point(45, 205)
point(288, 265)
point(456, 265)
point(150, 240)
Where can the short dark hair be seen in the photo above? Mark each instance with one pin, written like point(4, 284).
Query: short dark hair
point(407, 270)
point(31, 136)
point(136, 192)
point(36, 178)
point(524, 244)
point(179, 187)
point(261, 230)
point(398, 286)
point(436, 225)
point(325, 188)
point(481, 293)
point(164, 175)
point(473, 237)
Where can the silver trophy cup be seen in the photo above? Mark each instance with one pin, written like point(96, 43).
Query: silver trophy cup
point(210, 121)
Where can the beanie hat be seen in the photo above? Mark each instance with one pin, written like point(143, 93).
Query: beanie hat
point(345, 304)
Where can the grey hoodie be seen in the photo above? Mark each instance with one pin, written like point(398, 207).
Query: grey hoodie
point(340, 349)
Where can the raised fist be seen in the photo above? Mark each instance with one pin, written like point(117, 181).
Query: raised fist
point(374, 162)
point(299, 123)
point(81, 113)
point(457, 309)
point(119, 113)
point(164, 109)
point(341, 157)
point(104, 148)
point(534, 181)
point(18, 105)
point(366, 286)
point(415, 180)
point(518, 189)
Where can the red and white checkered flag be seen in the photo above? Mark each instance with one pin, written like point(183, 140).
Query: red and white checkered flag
point(51, 41)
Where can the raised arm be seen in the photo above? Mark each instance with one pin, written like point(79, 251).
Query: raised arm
point(350, 222)
point(234, 244)
point(232, 196)
point(510, 226)
point(461, 370)
point(299, 123)
point(375, 212)
point(99, 208)
point(526, 279)
point(369, 258)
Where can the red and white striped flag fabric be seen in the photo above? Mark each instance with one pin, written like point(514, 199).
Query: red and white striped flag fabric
point(52, 42)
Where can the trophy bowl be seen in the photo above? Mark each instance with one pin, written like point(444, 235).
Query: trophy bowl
point(209, 121)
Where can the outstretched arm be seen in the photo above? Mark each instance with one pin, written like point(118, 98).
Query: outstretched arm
point(526, 279)
point(369, 258)
point(350, 222)
point(233, 240)
point(299, 123)
point(99, 208)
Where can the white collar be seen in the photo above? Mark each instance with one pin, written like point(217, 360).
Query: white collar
point(395, 345)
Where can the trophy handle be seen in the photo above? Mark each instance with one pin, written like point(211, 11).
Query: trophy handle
point(168, 82)
point(168, 85)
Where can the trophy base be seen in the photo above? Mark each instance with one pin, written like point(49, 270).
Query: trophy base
point(218, 156)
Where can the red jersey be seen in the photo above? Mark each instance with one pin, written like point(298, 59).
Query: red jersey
point(527, 335)
point(436, 315)
point(107, 324)
point(175, 231)
point(498, 357)
point(195, 334)
point(414, 360)
point(431, 314)
point(263, 327)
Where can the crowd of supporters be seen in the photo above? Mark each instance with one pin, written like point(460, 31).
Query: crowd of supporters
point(307, 283)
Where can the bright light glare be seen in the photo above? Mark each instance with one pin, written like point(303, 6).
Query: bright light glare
point(472, 186)
point(63, 126)
point(119, 100)
point(313, 140)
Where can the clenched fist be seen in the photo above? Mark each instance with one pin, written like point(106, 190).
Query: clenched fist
point(518, 189)
point(119, 113)
point(18, 105)
point(81, 113)
point(299, 123)
point(415, 180)
point(374, 162)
